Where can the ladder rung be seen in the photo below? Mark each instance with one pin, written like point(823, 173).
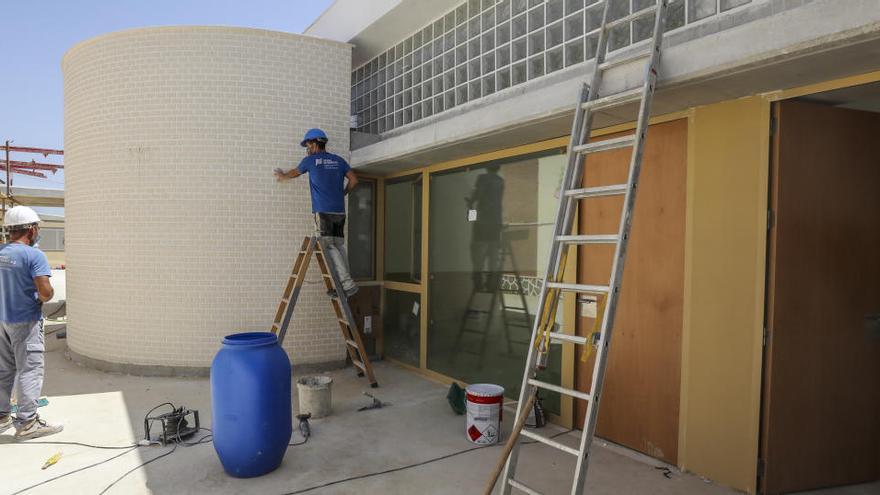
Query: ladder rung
point(359, 365)
point(325, 275)
point(606, 145)
point(623, 60)
point(585, 288)
point(522, 487)
point(597, 192)
point(275, 327)
point(631, 17)
point(617, 99)
point(351, 343)
point(343, 321)
point(588, 239)
point(558, 389)
point(550, 442)
point(574, 339)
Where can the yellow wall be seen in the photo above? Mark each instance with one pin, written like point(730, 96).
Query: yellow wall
point(724, 291)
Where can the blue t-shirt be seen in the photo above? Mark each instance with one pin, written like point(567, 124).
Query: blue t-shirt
point(19, 264)
point(327, 180)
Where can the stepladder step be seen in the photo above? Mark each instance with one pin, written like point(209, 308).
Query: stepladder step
point(580, 288)
point(614, 100)
point(550, 442)
point(588, 239)
point(606, 144)
point(597, 192)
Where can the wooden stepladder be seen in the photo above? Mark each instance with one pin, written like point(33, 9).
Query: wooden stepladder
point(314, 245)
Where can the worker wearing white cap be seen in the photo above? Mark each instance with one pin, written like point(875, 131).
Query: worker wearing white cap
point(24, 287)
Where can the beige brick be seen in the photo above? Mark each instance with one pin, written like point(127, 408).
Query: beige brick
point(177, 232)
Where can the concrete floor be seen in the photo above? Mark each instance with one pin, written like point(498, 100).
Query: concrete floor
point(108, 409)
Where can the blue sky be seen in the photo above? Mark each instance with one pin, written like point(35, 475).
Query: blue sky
point(37, 33)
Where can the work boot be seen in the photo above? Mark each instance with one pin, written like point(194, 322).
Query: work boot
point(5, 422)
point(37, 428)
point(350, 292)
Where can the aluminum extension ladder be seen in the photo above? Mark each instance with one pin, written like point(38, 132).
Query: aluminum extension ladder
point(579, 149)
point(314, 245)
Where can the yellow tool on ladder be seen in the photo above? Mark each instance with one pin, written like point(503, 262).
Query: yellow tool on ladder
point(313, 245)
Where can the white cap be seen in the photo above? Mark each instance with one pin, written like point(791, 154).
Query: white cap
point(20, 216)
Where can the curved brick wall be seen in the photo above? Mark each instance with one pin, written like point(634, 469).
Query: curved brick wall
point(177, 233)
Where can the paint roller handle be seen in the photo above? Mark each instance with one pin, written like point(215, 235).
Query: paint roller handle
point(511, 442)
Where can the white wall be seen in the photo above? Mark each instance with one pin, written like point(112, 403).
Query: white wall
point(177, 232)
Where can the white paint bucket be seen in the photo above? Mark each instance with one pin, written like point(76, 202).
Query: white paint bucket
point(484, 413)
point(314, 395)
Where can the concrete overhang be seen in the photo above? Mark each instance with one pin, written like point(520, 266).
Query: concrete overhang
point(772, 48)
point(33, 196)
point(374, 26)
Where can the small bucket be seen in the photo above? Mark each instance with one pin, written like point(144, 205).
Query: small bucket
point(484, 403)
point(314, 395)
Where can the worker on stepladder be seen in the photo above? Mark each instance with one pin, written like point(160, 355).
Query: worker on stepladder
point(24, 287)
point(327, 174)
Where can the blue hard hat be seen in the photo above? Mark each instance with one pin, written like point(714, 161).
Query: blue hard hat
point(314, 135)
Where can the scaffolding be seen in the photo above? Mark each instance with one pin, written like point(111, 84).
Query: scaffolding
point(31, 168)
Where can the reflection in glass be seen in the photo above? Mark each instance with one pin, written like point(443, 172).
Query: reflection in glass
point(490, 230)
point(403, 229)
point(401, 328)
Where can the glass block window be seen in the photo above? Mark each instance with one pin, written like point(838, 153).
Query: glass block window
point(482, 47)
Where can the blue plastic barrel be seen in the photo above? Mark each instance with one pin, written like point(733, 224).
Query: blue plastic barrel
point(250, 398)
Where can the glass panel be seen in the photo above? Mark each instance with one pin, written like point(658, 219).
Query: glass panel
point(461, 74)
point(502, 56)
point(554, 60)
point(403, 227)
point(618, 9)
point(474, 48)
point(490, 231)
point(536, 67)
point(416, 112)
point(461, 13)
point(536, 18)
point(519, 26)
point(362, 229)
point(554, 35)
point(474, 70)
point(592, 46)
point(503, 79)
point(488, 3)
point(519, 6)
point(700, 9)
point(536, 42)
point(488, 41)
point(572, 6)
point(474, 27)
point(474, 90)
point(438, 104)
point(555, 9)
point(643, 28)
point(675, 15)
point(642, 4)
point(489, 85)
point(401, 328)
point(729, 4)
point(520, 49)
point(488, 64)
point(594, 19)
point(502, 34)
point(502, 11)
point(461, 95)
point(574, 52)
point(488, 19)
point(473, 7)
point(618, 37)
point(449, 100)
point(574, 27)
point(519, 73)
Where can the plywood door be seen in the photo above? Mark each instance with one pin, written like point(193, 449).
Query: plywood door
point(821, 405)
point(640, 404)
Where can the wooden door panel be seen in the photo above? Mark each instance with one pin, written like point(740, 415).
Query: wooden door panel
point(822, 370)
point(640, 404)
